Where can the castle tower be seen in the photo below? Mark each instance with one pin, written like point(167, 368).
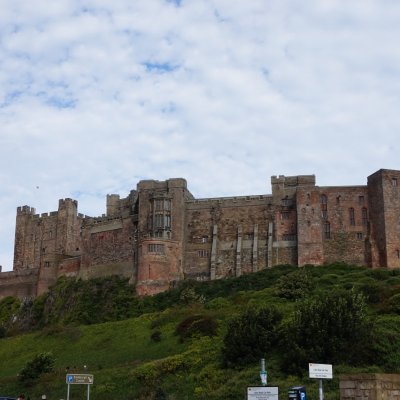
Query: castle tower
point(60, 239)
point(24, 254)
point(384, 205)
point(297, 236)
point(161, 222)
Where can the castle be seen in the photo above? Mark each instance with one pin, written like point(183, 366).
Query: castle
point(160, 234)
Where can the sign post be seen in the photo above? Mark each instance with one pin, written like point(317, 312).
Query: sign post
point(79, 379)
point(263, 373)
point(320, 371)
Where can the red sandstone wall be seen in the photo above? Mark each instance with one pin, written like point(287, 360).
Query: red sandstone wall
point(241, 216)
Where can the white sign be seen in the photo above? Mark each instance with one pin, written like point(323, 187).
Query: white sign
point(320, 371)
point(262, 393)
point(79, 379)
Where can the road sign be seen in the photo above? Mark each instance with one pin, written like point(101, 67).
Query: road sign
point(262, 393)
point(320, 371)
point(79, 379)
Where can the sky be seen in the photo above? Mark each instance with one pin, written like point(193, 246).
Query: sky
point(96, 95)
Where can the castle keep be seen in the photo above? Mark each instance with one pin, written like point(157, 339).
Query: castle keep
point(160, 234)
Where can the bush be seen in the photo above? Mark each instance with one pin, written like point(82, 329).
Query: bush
point(156, 336)
point(40, 364)
point(295, 285)
point(251, 336)
point(203, 325)
point(331, 328)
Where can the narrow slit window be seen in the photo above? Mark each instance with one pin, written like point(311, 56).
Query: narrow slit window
point(352, 219)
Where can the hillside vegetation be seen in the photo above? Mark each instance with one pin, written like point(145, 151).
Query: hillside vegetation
point(202, 340)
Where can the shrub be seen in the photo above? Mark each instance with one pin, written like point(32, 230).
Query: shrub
point(251, 336)
point(156, 336)
point(40, 364)
point(332, 328)
point(297, 284)
point(203, 325)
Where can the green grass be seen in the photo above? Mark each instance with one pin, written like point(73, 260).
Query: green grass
point(127, 364)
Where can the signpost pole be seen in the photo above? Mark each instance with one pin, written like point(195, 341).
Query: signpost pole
point(88, 391)
point(263, 373)
point(68, 391)
point(321, 390)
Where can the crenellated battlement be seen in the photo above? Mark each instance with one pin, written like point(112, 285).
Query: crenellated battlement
point(67, 202)
point(297, 180)
point(160, 234)
point(26, 210)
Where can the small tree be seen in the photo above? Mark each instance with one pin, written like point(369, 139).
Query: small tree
point(40, 364)
point(251, 336)
point(330, 328)
point(295, 285)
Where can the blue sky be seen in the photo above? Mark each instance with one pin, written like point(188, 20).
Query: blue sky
point(96, 95)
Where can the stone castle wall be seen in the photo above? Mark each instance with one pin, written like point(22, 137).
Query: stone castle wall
point(160, 234)
point(370, 386)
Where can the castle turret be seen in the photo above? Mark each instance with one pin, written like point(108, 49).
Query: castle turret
point(24, 239)
point(384, 205)
point(161, 233)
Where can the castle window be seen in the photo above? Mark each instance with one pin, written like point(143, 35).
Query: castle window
point(47, 264)
point(338, 199)
point(324, 207)
point(156, 248)
point(394, 181)
point(359, 235)
point(50, 234)
point(361, 199)
point(398, 253)
point(203, 253)
point(167, 221)
point(286, 202)
point(204, 239)
point(285, 215)
point(159, 221)
point(364, 217)
point(161, 214)
point(351, 216)
point(327, 230)
point(289, 237)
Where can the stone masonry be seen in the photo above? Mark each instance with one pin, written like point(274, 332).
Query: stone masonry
point(160, 234)
point(370, 387)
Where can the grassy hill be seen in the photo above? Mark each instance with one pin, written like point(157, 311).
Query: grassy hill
point(172, 346)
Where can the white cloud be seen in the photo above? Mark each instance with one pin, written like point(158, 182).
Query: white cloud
point(96, 95)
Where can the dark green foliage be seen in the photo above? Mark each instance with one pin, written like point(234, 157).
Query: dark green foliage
point(156, 336)
point(203, 325)
point(251, 336)
point(9, 307)
point(40, 364)
point(209, 290)
point(332, 328)
point(160, 394)
point(295, 285)
point(189, 296)
point(84, 302)
point(385, 344)
point(373, 291)
point(394, 304)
